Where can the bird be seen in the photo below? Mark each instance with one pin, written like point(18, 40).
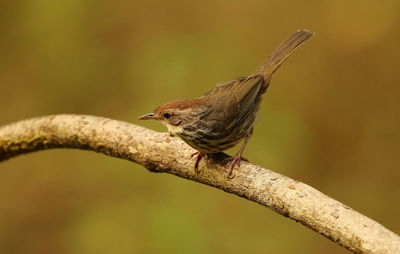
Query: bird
point(225, 115)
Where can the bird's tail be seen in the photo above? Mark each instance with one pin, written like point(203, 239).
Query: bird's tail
point(282, 52)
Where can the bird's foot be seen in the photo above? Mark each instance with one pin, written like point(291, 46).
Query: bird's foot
point(235, 160)
point(196, 164)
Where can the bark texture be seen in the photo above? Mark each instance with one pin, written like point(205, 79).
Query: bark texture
point(159, 152)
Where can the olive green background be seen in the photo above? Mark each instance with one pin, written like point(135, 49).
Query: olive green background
point(330, 119)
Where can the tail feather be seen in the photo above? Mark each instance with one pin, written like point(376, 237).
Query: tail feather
point(280, 54)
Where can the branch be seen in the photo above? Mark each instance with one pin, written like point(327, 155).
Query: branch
point(159, 152)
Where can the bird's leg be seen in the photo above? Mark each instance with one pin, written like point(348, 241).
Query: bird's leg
point(196, 164)
point(238, 157)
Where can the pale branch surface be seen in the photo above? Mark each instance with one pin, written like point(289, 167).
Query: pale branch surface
point(159, 152)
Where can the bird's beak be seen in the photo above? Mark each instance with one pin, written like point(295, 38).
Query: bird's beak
point(147, 116)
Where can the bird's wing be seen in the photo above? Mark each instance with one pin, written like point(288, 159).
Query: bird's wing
point(221, 87)
point(246, 94)
point(235, 99)
point(241, 88)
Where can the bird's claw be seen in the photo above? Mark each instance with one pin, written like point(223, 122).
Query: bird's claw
point(226, 160)
point(196, 164)
point(235, 160)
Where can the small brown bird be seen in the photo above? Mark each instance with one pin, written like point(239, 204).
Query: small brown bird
point(225, 115)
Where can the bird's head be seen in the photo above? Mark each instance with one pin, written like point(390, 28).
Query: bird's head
point(174, 115)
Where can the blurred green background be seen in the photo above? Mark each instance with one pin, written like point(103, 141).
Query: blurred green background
point(330, 119)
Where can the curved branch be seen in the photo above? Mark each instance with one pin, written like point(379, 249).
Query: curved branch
point(159, 152)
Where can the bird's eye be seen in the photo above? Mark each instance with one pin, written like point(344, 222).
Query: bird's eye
point(167, 115)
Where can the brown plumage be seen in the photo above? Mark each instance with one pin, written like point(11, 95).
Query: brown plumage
point(225, 115)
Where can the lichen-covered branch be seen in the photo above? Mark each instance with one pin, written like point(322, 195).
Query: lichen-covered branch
point(159, 152)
